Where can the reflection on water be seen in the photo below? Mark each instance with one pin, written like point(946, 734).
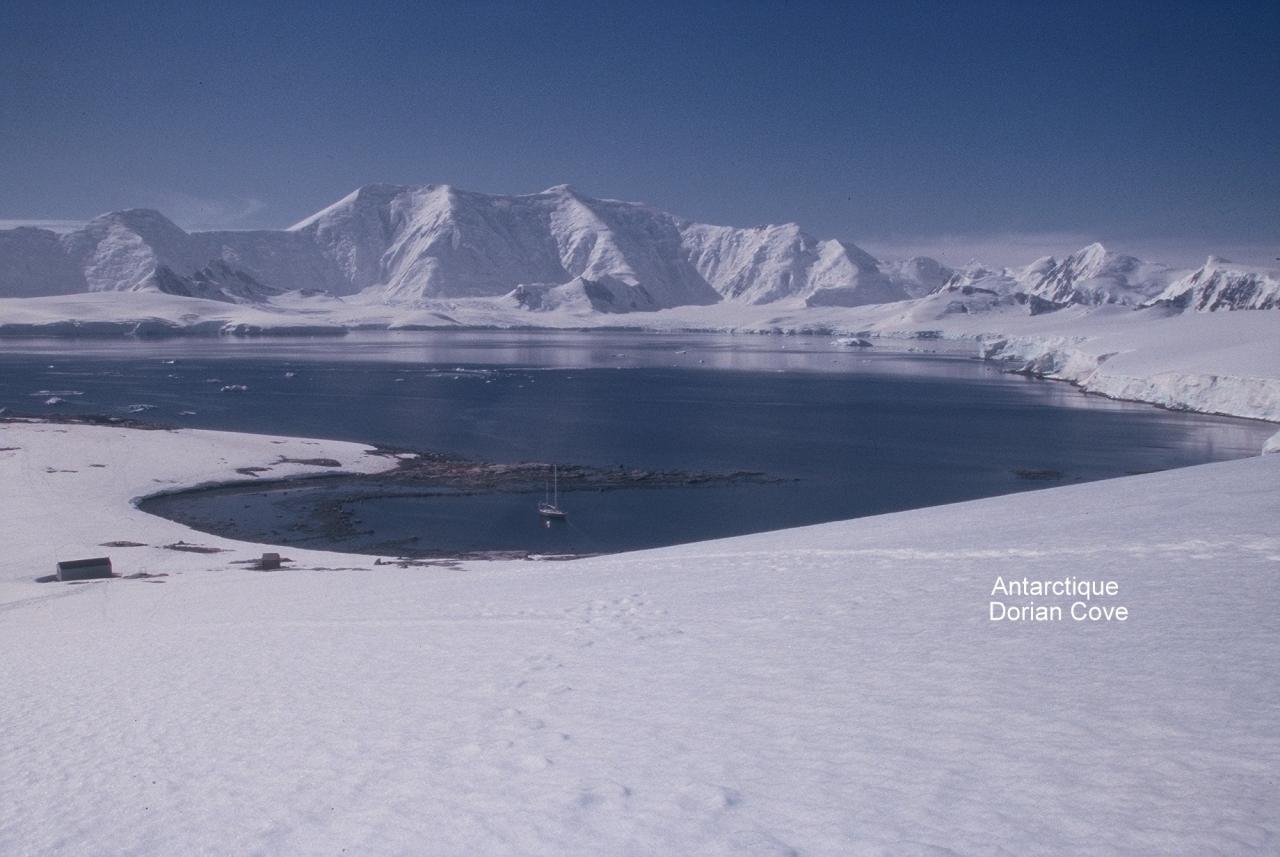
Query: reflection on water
point(541, 349)
point(849, 431)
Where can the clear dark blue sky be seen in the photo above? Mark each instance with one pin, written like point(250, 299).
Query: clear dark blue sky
point(1154, 123)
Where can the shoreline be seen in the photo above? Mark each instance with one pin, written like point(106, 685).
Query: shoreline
point(407, 466)
point(1064, 359)
point(435, 475)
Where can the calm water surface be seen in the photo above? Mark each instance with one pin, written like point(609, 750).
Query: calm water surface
point(844, 432)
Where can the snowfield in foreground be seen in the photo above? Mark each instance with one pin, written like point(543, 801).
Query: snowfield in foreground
point(832, 690)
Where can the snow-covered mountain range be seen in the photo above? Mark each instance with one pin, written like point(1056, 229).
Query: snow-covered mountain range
point(560, 250)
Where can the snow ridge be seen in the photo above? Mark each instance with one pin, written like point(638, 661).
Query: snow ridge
point(1219, 285)
point(405, 244)
point(1094, 275)
point(561, 249)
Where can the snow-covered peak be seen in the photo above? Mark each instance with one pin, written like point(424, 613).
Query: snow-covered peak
point(120, 249)
point(363, 197)
point(1220, 285)
point(561, 190)
point(1094, 275)
point(1092, 258)
point(147, 224)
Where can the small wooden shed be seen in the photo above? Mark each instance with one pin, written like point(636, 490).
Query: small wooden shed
point(85, 569)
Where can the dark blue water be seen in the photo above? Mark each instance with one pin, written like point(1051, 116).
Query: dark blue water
point(844, 433)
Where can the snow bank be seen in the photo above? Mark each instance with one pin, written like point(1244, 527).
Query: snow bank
point(153, 314)
point(1257, 398)
point(1195, 363)
point(833, 690)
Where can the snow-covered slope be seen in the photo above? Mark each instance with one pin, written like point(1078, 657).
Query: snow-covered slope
point(830, 691)
point(447, 243)
point(917, 276)
point(120, 250)
point(770, 263)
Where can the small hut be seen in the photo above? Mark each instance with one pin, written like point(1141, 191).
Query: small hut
point(84, 569)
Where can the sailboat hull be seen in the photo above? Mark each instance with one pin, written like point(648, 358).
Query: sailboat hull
point(550, 507)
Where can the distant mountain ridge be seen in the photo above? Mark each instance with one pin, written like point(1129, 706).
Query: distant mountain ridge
point(557, 249)
point(1220, 285)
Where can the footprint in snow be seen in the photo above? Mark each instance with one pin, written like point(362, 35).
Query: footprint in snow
point(709, 799)
point(602, 794)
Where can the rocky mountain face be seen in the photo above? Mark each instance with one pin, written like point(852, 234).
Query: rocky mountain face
point(217, 281)
point(1220, 285)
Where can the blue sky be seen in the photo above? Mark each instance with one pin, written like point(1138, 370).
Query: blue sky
point(1148, 125)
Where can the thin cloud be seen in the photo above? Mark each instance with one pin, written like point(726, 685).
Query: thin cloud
point(193, 212)
point(1009, 249)
point(993, 250)
point(52, 225)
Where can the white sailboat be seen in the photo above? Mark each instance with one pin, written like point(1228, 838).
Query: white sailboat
point(550, 506)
